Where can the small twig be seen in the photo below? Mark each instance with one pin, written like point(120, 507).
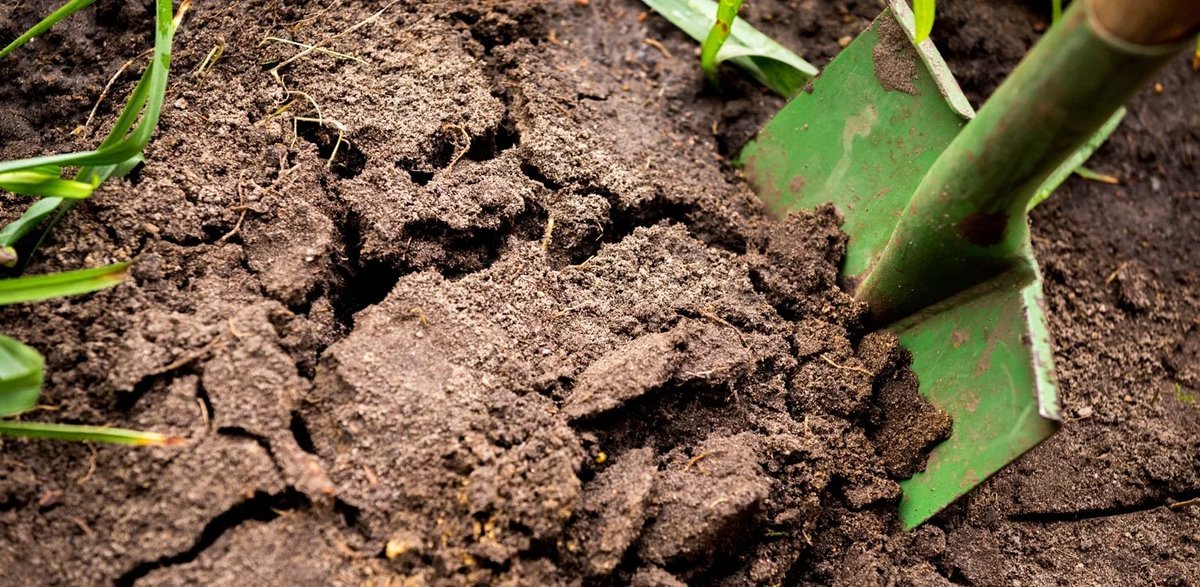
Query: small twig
point(711, 314)
point(107, 87)
point(419, 313)
point(694, 460)
point(1182, 504)
point(1117, 271)
point(210, 60)
point(186, 359)
point(336, 145)
point(549, 234)
point(661, 48)
point(1194, 501)
point(204, 415)
point(846, 367)
point(243, 206)
point(460, 153)
point(306, 46)
point(327, 40)
point(91, 465)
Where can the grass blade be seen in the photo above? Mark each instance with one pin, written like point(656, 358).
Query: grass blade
point(66, 10)
point(17, 229)
point(36, 182)
point(122, 145)
point(923, 14)
point(772, 64)
point(20, 377)
point(1075, 162)
point(1097, 176)
point(1055, 11)
point(67, 283)
point(726, 13)
point(87, 433)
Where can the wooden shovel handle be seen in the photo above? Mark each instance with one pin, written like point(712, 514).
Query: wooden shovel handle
point(1147, 22)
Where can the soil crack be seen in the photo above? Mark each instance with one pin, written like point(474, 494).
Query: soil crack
point(1142, 506)
point(262, 507)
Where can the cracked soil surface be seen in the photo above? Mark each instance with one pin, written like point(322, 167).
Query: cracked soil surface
point(501, 313)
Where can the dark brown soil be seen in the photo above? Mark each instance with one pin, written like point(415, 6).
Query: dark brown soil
point(527, 326)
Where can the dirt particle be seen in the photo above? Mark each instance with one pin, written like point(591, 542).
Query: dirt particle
point(896, 60)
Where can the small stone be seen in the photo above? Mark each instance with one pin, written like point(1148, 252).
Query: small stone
point(1085, 412)
point(844, 41)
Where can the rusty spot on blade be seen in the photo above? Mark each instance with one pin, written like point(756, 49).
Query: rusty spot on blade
point(984, 228)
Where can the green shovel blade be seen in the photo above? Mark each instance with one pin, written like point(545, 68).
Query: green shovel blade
point(862, 136)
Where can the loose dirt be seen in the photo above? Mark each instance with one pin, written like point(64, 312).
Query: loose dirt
point(501, 313)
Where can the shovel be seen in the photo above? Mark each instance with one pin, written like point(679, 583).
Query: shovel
point(935, 196)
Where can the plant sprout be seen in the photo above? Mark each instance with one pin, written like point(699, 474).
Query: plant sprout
point(726, 13)
point(923, 14)
point(772, 64)
point(22, 367)
point(121, 150)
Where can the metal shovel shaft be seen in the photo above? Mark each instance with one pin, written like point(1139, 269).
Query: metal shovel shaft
point(966, 221)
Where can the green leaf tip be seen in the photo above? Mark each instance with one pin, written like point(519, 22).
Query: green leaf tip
point(77, 433)
point(923, 14)
point(33, 288)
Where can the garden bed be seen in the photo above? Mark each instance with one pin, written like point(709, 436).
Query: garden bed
point(501, 311)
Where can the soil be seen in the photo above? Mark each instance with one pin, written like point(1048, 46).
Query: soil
point(501, 312)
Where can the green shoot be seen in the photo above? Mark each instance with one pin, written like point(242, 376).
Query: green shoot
point(123, 143)
point(923, 14)
point(1074, 163)
point(87, 433)
point(20, 377)
point(1091, 175)
point(1055, 11)
point(772, 64)
point(34, 288)
point(21, 370)
point(67, 10)
point(22, 367)
point(45, 182)
point(726, 13)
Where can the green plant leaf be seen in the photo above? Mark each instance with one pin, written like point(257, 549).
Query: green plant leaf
point(44, 182)
point(772, 64)
point(121, 145)
point(87, 433)
point(726, 15)
point(20, 377)
point(1096, 176)
point(66, 283)
point(923, 14)
point(66, 10)
point(1075, 162)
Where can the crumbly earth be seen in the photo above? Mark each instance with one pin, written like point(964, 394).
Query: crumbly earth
point(500, 312)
